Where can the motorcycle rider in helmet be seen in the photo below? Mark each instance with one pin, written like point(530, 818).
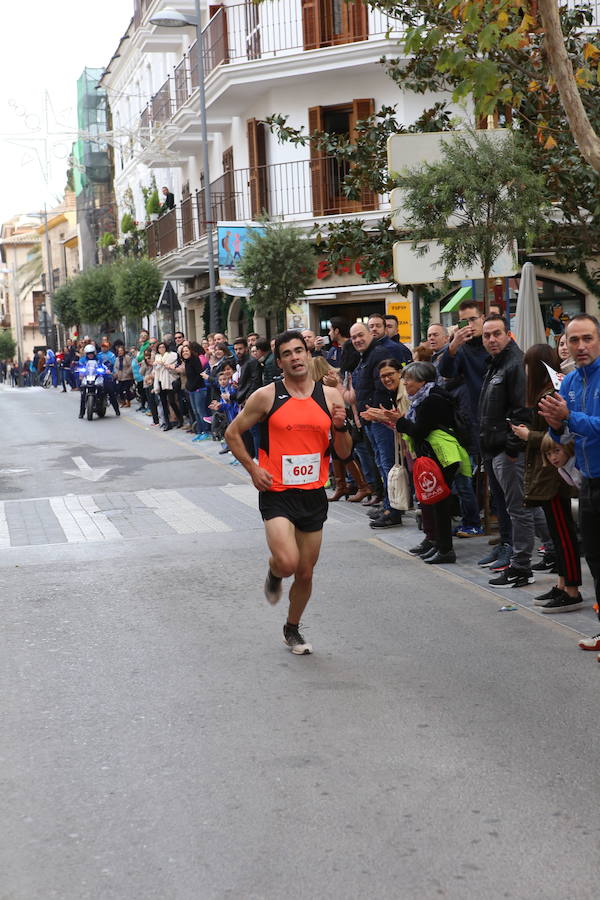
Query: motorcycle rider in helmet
point(89, 354)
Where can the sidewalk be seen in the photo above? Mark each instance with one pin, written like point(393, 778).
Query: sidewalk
point(469, 550)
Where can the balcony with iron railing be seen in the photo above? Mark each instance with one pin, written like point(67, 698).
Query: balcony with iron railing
point(247, 32)
point(294, 191)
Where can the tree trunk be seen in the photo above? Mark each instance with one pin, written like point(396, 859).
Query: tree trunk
point(486, 292)
point(560, 65)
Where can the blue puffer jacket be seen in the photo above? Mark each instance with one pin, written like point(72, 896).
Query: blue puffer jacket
point(581, 390)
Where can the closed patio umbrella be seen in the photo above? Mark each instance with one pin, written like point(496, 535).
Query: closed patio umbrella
point(528, 328)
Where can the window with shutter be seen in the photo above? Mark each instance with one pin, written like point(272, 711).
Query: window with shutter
point(329, 22)
point(257, 158)
point(228, 185)
point(317, 163)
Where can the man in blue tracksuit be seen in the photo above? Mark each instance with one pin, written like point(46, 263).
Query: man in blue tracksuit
point(578, 410)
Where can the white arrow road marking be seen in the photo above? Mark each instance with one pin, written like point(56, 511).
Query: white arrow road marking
point(86, 471)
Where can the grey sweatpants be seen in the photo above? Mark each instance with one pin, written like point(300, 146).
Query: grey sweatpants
point(509, 473)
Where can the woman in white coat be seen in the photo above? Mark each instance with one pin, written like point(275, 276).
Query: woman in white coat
point(165, 363)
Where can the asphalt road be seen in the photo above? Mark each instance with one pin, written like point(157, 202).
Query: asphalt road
point(160, 742)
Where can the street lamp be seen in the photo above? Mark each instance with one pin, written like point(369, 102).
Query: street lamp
point(172, 18)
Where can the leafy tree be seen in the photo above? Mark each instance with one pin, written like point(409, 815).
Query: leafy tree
point(483, 47)
point(138, 285)
point(510, 79)
point(94, 292)
point(8, 345)
point(480, 196)
point(277, 266)
point(64, 305)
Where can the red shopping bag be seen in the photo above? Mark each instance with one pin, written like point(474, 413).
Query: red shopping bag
point(430, 485)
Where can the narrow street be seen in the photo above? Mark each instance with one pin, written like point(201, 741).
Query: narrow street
point(160, 742)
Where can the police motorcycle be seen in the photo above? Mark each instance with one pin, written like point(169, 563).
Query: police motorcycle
point(93, 394)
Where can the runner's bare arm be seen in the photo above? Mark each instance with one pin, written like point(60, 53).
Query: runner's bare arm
point(256, 408)
point(342, 442)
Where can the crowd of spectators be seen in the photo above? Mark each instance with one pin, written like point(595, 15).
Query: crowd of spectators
point(509, 447)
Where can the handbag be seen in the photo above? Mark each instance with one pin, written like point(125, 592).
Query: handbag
point(398, 486)
point(428, 478)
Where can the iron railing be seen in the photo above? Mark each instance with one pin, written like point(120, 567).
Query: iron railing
point(291, 190)
point(250, 31)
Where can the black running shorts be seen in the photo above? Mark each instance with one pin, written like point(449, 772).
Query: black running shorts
point(307, 510)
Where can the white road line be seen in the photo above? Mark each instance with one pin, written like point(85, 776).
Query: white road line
point(4, 535)
point(181, 514)
point(67, 521)
point(243, 493)
point(107, 529)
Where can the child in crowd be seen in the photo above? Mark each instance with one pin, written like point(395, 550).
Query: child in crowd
point(225, 409)
point(561, 524)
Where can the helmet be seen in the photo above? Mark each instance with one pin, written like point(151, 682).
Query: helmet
point(89, 348)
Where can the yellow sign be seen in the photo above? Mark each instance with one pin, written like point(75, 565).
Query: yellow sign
point(402, 309)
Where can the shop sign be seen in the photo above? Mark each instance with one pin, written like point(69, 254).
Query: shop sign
point(402, 309)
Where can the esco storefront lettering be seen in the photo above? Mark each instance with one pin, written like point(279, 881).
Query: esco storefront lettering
point(346, 266)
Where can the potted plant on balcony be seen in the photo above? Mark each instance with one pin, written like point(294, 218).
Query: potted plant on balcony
point(127, 223)
point(153, 206)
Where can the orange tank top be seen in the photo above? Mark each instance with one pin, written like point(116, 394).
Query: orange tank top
point(295, 440)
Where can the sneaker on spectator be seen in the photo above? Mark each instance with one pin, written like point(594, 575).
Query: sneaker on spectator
point(203, 436)
point(375, 512)
point(512, 577)
point(489, 558)
point(503, 558)
point(542, 599)
point(562, 603)
point(295, 641)
point(546, 563)
point(469, 532)
point(207, 419)
point(424, 547)
point(590, 643)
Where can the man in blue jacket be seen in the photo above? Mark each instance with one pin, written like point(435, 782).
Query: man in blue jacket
point(578, 410)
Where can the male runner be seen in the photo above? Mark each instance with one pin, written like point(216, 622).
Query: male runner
point(300, 420)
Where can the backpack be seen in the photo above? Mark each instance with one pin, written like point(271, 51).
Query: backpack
point(430, 484)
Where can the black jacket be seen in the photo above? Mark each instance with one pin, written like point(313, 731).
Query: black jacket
point(503, 397)
point(250, 378)
point(366, 380)
point(435, 411)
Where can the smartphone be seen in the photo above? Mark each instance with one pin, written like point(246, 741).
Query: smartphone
point(324, 340)
point(463, 323)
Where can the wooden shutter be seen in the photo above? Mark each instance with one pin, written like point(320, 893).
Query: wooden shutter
point(358, 20)
point(362, 109)
point(311, 23)
point(318, 171)
point(228, 185)
point(216, 39)
point(257, 158)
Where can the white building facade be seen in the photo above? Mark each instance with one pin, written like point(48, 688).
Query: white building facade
point(316, 62)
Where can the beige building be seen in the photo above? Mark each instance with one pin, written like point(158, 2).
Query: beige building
point(31, 262)
point(20, 251)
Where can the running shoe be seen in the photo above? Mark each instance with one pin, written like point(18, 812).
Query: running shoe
point(503, 559)
point(489, 558)
point(562, 603)
point(512, 577)
point(469, 532)
point(546, 564)
point(590, 643)
point(295, 641)
point(203, 436)
point(273, 588)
